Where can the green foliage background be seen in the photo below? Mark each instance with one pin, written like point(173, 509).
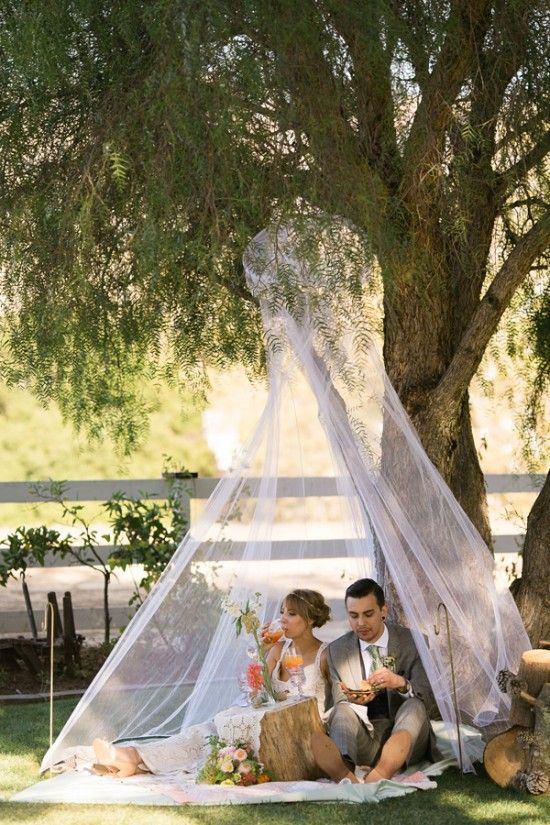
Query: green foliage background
point(35, 445)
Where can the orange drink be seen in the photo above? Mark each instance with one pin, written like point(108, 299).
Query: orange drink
point(292, 660)
point(273, 636)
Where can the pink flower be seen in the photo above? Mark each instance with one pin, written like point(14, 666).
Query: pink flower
point(245, 767)
point(225, 764)
point(240, 754)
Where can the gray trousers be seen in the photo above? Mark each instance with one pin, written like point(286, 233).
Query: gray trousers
point(359, 747)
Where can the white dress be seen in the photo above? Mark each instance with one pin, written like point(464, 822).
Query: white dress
point(187, 751)
point(314, 685)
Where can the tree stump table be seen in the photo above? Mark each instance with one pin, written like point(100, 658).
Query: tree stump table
point(520, 757)
point(280, 734)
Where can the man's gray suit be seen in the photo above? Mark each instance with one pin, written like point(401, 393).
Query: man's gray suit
point(403, 712)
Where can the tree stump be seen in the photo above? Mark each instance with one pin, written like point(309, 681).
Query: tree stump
point(534, 671)
point(541, 756)
point(285, 741)
point(504, 756)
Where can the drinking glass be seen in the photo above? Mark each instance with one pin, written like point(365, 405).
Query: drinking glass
point(273, 632)
point(244, 699)
point(294, 663)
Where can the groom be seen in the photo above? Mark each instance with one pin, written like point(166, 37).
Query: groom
point(387, 726)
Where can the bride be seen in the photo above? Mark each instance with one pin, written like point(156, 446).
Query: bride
point(301, 612)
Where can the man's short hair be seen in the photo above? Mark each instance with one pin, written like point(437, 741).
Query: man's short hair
point(366, 587)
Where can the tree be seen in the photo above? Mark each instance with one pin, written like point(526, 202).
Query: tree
point(143, 144)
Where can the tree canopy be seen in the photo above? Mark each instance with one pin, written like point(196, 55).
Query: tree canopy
point(143, 144)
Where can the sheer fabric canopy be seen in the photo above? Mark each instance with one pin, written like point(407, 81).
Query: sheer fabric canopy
point(333, 485)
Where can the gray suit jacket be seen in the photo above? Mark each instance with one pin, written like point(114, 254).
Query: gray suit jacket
point(345, 666)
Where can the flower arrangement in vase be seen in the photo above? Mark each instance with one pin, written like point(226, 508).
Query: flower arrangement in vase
point(258, 676)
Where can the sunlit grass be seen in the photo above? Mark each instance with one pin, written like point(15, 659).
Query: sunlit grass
point(457, 800)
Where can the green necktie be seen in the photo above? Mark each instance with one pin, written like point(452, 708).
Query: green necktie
point(376, 658)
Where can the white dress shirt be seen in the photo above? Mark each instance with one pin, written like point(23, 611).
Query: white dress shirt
point(382, 645)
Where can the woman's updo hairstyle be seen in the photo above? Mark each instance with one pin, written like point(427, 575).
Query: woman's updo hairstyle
point(310, 605)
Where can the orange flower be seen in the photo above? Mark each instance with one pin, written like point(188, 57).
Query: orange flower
point(254, 676)
point(263, 777)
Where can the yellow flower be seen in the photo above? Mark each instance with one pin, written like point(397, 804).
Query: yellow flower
point(227, 782)
point(250, 622)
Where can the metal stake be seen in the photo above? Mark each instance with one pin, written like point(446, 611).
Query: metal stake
point(437, 630)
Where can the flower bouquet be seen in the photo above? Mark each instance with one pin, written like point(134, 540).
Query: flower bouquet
point(231, 765)
point(257, 674)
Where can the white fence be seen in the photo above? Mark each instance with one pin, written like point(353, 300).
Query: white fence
point(201, 489)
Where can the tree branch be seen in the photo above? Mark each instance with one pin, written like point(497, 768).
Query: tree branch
point(486, 318)
point(508, 180)
point(466, 27)
point(412, 31)
point(319, 110)
point(362, 34)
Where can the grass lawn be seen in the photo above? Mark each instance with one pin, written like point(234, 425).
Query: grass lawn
point(457, 800)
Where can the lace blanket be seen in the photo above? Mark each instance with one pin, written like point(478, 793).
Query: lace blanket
point(238, 724)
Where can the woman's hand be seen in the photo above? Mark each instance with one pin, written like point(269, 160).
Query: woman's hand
point(264, 636)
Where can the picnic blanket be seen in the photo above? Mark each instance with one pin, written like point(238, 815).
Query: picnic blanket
point(84, 787)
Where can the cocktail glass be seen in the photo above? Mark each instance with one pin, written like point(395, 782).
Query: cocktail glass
point(294, 664)
point(272, 633)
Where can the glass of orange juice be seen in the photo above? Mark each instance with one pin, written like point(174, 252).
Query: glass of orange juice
point(272, 633)
point(294, 663)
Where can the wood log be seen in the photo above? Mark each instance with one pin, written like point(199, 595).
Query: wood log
point(69, 634)
point(57, 626)
point(534, 671)
point(504, 756)
point(541, 747)
point(30, 612)
point(285, 741)
point(27, 650)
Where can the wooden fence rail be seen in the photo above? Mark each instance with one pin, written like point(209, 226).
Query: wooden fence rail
point(22, 492)
point(200, 489)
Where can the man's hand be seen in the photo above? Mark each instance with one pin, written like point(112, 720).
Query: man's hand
point(384, 678)
point(362, 698)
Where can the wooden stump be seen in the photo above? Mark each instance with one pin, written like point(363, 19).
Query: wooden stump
point(504, 756)
point(541, 761)
point(534, 671)
point(285, 741)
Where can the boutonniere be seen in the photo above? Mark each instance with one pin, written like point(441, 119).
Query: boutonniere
point(389, 663)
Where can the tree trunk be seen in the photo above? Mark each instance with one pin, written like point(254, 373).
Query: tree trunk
point(532, 593)
point(449, 443)
point(467, 481)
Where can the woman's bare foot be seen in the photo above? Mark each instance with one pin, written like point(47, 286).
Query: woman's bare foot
point(329, 759)
point(118, 761)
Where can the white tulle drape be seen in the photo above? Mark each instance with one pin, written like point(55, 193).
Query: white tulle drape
point(356, 497)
